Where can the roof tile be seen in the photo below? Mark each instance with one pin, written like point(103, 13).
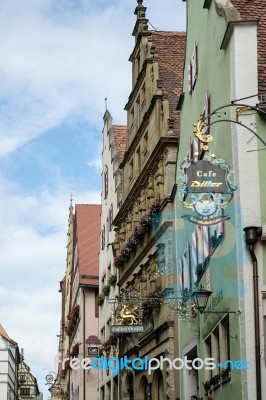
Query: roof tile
point(170, 47)
point(120, 140)
point(88, 232)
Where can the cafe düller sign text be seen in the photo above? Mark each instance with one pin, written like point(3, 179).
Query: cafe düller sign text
point(203, 177)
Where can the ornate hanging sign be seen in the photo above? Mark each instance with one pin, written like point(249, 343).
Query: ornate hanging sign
point(93, 351)
point(127, 319)
point(206, 184)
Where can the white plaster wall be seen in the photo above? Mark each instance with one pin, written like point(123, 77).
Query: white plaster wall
point(243, 51)
point(106, 255)
point(7, 368)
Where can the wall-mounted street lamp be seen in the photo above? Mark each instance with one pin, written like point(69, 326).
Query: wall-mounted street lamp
point(201, 298)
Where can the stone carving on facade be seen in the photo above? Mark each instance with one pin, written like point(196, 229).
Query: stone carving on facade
point(170, 123)
point(142, 204)
point(159, 179)
point(152, 74)
point(136, 285)
point(136, 212)
point(226, 9)
point(161, 257)
point(143, 279)
point(159, 87)
point(117, 241)
point(150, 190)
point(128, 224)
point(152, 273)
point(122, 233)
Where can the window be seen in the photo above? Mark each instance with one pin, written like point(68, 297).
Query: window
point(96, 296)
point(138, 112)
point(25, 391)
point(105, 183)
point(107, 231)
point(139, 160)
point(145, 144)
point(132, 118)
point(217, 345)
point(143, 97)
point(22, 378)
point(111, 217)
point(103, 237)
point(193, 69)
point(131, 169)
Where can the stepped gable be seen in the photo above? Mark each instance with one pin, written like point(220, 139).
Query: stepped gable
point(250, 11)
point(170, 47)
point(88, 223)
point(120, 137)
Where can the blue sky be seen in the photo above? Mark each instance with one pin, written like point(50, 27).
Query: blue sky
point(59, 60)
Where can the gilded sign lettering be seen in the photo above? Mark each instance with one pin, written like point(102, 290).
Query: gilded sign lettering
point(214, 178)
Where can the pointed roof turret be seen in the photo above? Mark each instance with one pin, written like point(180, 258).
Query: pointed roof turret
point(141, 24)
point(71, 205)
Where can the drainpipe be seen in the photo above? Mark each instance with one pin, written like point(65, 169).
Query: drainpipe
point(252, 234)
point(84, 344)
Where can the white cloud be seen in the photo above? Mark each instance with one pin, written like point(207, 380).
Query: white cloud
point(51, 68)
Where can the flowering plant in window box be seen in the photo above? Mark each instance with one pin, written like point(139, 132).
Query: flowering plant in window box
point(63, 373)
point(72, 320)
point(112, 280)
point(100, 300)
point(214, 379)
point(206, 385)
point(154, 299)
point(225, 372)
point(106, 290)
point(75, 350)
point(155, 206)
point(137, 234)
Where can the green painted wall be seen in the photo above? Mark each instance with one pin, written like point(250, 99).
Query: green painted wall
point(261, 124)
point(207, 29)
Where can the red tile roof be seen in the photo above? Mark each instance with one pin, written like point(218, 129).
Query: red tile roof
point(88, 221)
point(256, 10)
point(5, 335)
point(170, 47)
point(120, 140)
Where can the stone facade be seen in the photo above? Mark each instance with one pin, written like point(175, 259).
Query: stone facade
point(144, 222)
